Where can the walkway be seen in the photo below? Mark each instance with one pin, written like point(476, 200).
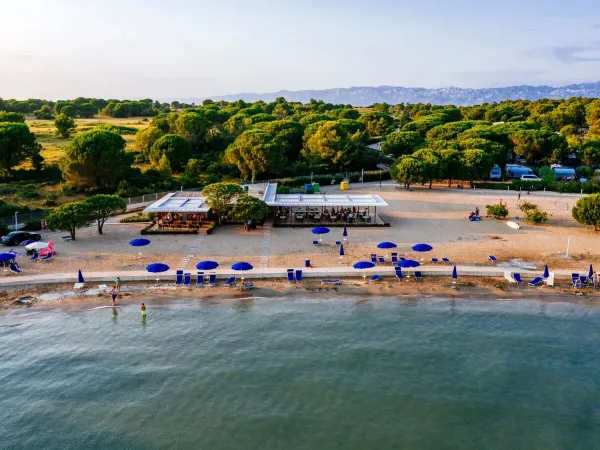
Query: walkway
point(266, 245)
point(281, 273)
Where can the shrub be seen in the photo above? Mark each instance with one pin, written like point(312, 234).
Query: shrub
point(587, 211)
point(51, 199)
point(536, 215)
point(29, 193)
point(4, 230)
point(526, 206)
point(138, 217)
point(497, 211)
point(32, 225)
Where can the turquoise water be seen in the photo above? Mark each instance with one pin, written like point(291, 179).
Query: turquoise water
point(303, 374)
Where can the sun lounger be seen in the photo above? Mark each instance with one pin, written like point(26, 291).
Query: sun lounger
point(446, 260)
point(35, 257)
point(517, 277)
point(179, 276)
point(14, 269)
point(290, 276)
point(402, 258)
point(78, 286)
point(381, 259)
point(493, 259)
point(584, 280)
point(66, 238)
point(212, 279)
point(435, 260)
point(373, 258)
point(418, 276)
point(102, 288)
point(316, 243)
point(46, 258)
point(299, 276)
point(187, 279)
point(399, 275)
point(200, 279)
point(249, 285)
point(508, 276)
point(230, 282)
point(394, 259)
point(334, 282)
point(375, 278)
point(338, 243)
point(536, 281)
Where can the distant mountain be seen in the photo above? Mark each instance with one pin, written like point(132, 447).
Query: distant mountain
point(364, 96)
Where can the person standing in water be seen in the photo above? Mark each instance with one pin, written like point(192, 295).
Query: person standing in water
point(114, 294)
point(143, 309)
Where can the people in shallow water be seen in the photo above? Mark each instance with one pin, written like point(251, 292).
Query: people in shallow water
point(143, 309)
point(114, 294)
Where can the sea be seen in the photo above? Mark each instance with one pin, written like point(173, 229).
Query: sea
point(302, 373)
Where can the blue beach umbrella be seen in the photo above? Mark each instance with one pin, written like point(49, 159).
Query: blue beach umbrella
point(591, 272)
point(422, 248)
point(342, 251)
point(4, 257)
point(546, 272)
point(139, 242)
point(207, 265)
point(80, 277)
point(454, 275)
point(408, 263)
point(241, 267)
point(386, 245)
point(361, 265)
point(157, 268)
point(320, 231)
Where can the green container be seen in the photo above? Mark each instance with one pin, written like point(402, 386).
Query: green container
point(316, 187)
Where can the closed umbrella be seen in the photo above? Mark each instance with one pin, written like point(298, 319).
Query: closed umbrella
point(242, 267)
point(207, 265)
point(591, 272)
point(157, 268)
point(345, 234)
point(546, 272)
point(454, 275)
point(361, 265)
point(422, 248)
point(80, 277)
point(139, 242)
point(320, 231)
point(342, 252)
point(386, 245)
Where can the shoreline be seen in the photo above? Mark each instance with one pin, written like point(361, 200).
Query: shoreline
point(467, 288)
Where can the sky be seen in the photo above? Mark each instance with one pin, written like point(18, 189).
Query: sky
point(60, 49)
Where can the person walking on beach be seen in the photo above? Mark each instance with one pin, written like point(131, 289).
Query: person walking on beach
point(595, 279)
point(43, 225)
point(118, 284)
point(143, 309)
point(114, 294)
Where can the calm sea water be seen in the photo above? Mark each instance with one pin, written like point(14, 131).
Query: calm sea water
point(303, 374)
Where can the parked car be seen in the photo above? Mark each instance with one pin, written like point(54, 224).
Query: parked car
point(530, 177)
point(496, 173)
point(16, 237)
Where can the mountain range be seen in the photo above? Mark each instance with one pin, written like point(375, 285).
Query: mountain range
point(365, 95)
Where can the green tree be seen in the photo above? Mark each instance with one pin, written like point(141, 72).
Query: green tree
point(401, 143)
point(590, 152)
point(476, 164)
point(255, 152)
point(334, 144)
point(164, 167)
point(587, 211)
point(407, 170)
point(145, 139)
point(592, 112)
point(193, 170)
point(95, 159)
point(539, 145)
point(247, 207)
point(192, 126)
point(349, 113)
point(17, 144)
point(309, 119)
point(68, 110)
point(87, 110)
point(452, 129)
point(64, 125)
point(69, 217)
point(12, 117)
point(101, 207)
point(498, 152)
point(288, 132)
point(451, 163)
point(174, 147)
point(377, 123)
point(430, 165)
point(44, 113)
point(219, 195)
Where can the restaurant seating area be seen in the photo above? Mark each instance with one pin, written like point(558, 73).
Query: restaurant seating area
point(308, 216)
point(179, 221)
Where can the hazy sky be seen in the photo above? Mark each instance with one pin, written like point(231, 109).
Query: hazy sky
point(195, 48)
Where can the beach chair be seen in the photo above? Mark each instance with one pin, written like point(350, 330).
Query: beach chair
point(187, 279)
point(402, 258)
point(381, 259)
point(212, 279)
point(66, 238)
point(375, 278)
point(446, 260)
point(46, 258)
point(102, 288)
point(435, 260)
point(536, 281)
point(338, 243)
point(35, 257)
point(584, 280)
point(316, 243)
point(373, 258)
point(399, 275)
point(394, 259)
point(249, 285)
point(290, 276)
point(230, 282)
point(14, 269)
point(179, 276)
point(517, 277)
point(334, 282)
point(299, 276)
point(493, 259)
point(78, 286)
point(418, 276)
point(200, 279)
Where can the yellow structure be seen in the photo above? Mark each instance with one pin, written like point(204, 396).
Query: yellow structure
point(344, 186)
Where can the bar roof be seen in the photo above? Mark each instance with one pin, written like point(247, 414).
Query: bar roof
point(179, 202)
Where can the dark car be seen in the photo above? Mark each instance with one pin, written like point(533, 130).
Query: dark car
point(16, 237)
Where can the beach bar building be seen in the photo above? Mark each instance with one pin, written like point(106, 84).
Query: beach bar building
point(180, 211)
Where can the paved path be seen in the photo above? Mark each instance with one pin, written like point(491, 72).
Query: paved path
point(191, 254)
point(266, 245)
point(317, 272)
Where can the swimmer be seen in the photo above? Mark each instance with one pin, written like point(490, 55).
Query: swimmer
point(143, 309)
point(114, 294)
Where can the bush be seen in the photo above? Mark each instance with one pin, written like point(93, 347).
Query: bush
point(587, 211)
point(497, 211)
point(526, 206)
point(536, 216)
point(32, 225)
point(4, 230)
point(29, 193)
point(51, 199)
point(138, 217)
